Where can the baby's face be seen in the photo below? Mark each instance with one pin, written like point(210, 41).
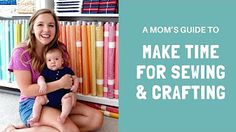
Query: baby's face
point(54, 60)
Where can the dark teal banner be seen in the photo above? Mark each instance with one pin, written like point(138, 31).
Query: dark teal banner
point(177, 66)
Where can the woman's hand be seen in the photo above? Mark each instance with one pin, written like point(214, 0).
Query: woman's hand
point(75, 86)
point(66, 81)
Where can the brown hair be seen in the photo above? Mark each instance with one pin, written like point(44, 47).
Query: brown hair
point(38, 61)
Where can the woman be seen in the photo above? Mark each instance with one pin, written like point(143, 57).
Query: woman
point(27, 60)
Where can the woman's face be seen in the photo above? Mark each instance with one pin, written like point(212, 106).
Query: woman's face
point(44, 29)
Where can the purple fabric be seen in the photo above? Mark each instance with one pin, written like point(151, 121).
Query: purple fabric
point(22, 62)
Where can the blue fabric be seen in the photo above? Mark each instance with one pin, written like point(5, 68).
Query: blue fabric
point(54, 98)
point(25, 110)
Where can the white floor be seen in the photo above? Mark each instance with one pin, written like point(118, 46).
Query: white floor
point(9, 113)
point(8, 110)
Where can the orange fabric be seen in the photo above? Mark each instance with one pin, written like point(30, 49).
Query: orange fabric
point(79, 56)
point(73, 47)
point(89, 53)
point(85, 60)
point(93, 58)
point(68, 44)
point(99, 59)
point(63, 33)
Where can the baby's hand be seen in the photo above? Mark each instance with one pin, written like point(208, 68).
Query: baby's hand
point(42, 85)
point(75, 86)
point(73, 89)
point(43, 88)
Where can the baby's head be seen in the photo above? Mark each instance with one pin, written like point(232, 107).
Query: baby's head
point(54, 59)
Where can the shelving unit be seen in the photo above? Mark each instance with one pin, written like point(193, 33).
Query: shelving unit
point(14, 15)
point(92, 17)
point(87, 15)
point(89, 98)
point(100, 100)
point(68, 16)
point(64, 15)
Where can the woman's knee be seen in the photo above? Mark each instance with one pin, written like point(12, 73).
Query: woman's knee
point(69, 126)
point(97, 120)
point(48, 117)
point(87, 118)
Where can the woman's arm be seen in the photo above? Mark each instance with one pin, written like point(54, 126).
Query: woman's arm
point(24, 82)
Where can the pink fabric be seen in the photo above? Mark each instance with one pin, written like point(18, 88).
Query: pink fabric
point(106, 41)
point(116, 87)
point(111, 60)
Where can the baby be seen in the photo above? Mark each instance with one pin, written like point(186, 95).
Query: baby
point(62, 99)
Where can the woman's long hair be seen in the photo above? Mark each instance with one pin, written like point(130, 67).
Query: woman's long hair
point(37, 61)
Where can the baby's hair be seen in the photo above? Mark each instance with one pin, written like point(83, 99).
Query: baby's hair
point(54, 49)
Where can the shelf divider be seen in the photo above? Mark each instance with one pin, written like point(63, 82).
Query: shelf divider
point(100, 100)
point(89, 98)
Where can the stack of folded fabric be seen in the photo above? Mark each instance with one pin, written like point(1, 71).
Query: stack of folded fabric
point(7, 7)
point(108, 6)
point(90, 6)
point(25, 6)
point(68, 6)
point(100, 6)
point(109, 111)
